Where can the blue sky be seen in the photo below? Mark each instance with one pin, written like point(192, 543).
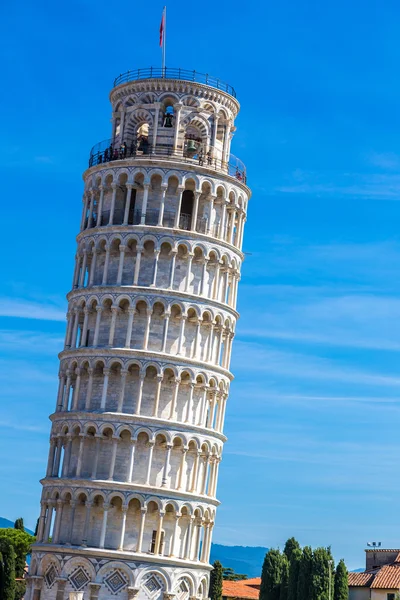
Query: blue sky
point(314, 414)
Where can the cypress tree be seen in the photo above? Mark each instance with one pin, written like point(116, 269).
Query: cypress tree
point(8, 554)
point(1, 576)
point(291, 545)
point(341, 590)
point(294, 568)
point(216, 581)
point(285, 578)
point(322, 574)
point(19, 524)
point(271, 576)
point(304, 588)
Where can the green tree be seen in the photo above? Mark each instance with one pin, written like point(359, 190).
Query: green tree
point(19, 524)
point(216, 581)
point(341, 589)
point(291, 545)
point(294, 568)
point(271, 576)
point(283, 595)
point(322, 574)
point(230, 575)
point(304, 588)
point(21, 542)
point(8, 560)
point(1, 576)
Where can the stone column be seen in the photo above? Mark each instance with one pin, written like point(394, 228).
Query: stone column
point(100, 207)
point(56, 466)
point(166, 464)
point(147, 328)
point(57, 522)
point(80, 455)
point(128, 203)
point(106, 263)
point(188, 539)
point(189, 271)
point(88, 506)
point(178, 210)
point(61, 583)
point(157, 106)
point(82, 276)
point(157, 395)
point(114, 313)
point(173, 537)
point(150, 460)
point(156, 257)
point(104, 525)
point(181, 468)
point(137, 264)
point(174, 398)
point(143, 512)
point(96, 458)
point(157, 548)
point(122, 250)
point(193, 226)
point(50, 508)
point(89, 389)
point(50, 461)
point(195, 472)
point(203, 277)
point(99, 310)
point(76, 389)
point(131, 461)
point(86, 312)
point(131, 312)
point(121, 396)
point(189, 409)
point(113, 458)
point(146, 187)
point(181, 334)
point(162, 206)
point(172, 269)
point(114, 189)
point(123, 526)
point(93, 266)
point(94, 590)
point(177, 112)
point(165, 332)
point(140, 392)
point(106, 373)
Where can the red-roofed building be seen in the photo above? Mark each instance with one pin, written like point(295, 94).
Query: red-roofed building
point(380, 580)
point(245, 589)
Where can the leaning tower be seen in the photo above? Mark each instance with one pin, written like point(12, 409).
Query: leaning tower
point(129, 497)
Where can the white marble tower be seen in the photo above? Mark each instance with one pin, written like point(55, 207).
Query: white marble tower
point(129, 498)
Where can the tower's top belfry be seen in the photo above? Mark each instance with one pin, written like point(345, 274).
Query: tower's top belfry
point(172, 112)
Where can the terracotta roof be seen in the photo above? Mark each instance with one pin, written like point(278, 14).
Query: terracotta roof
point(387, 578)
point(240, 589)
point(361, 579)
point(254, 581)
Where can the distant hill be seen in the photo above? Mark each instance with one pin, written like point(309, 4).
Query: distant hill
point(6, 523)
point(242, 559)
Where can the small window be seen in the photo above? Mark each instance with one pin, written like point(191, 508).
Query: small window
point(153, 541)
point(391, 596)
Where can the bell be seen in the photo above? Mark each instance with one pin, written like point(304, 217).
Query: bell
point(191, 146)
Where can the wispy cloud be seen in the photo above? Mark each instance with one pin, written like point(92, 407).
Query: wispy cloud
point(30, 341)
point(250, 357)
point(377, 186)
point(30, 309)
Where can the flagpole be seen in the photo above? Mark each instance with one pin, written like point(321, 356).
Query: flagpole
point(164, 39)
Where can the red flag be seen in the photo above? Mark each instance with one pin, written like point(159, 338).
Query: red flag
point(162, 29)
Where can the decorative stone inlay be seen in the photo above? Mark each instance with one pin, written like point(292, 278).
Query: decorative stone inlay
point(50, 576)
point(115, 581)
point(152, 586)
point(79, 578)
point(183, 590)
